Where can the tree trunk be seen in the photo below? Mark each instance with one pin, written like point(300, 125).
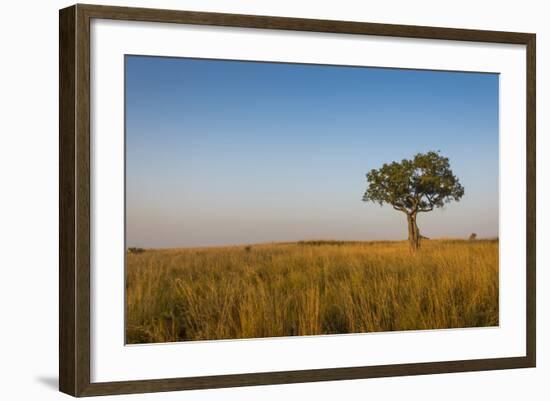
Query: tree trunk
point(414, 233)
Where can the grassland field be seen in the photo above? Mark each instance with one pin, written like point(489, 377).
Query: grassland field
point(309, 288)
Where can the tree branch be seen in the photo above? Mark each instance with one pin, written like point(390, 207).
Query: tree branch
point(399, 208)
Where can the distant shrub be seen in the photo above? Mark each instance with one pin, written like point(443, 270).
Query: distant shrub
point(325, 242)
point(472, 236)
point(136, 250)
point(248, 248)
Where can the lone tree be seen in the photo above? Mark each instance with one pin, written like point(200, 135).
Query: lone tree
point(414, 186)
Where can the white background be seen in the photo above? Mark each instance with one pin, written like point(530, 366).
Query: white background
point(28, 205)
point(113, 362)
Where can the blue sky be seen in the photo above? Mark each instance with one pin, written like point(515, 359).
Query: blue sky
point(230, 152)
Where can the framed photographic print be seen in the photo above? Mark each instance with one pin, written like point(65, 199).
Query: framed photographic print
point(250, 200)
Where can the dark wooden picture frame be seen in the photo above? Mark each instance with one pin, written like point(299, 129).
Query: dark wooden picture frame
point(74, 200)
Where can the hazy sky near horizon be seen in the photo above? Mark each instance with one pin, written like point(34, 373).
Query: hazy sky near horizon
point(230, 152)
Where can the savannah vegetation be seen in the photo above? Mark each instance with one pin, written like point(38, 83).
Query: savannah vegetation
point(309, 288)
point(322, 287)
point(414, 186)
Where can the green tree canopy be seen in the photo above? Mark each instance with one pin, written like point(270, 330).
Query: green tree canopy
point(411, 186)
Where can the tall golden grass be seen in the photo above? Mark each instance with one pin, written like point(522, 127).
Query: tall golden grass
point(309, 288)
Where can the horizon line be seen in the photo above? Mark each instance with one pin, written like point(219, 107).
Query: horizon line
point(321, 240)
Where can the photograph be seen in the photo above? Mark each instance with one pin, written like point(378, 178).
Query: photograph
point(275, 199)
